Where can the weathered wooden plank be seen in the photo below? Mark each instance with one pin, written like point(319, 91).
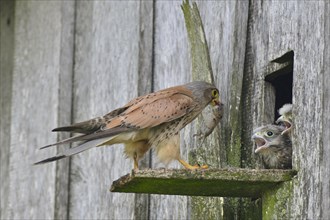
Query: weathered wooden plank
point(275, 28)
point(296, 26)
point(277, 201)
point(257, 95)
point(325, 151)
point(171, 67)
point(225, 28)
point(201, 70)
point(146, 28)
point(211, 182)
point(258, 100)
point(211, 155)
point(6, 69)
point(141, 203)
point(308, 99)
point(199, 52)
point(105, 77)
point(64, 110)
point(34, 108)
point(247, 93)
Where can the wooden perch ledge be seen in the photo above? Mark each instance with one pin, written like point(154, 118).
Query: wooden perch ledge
point(212, 182)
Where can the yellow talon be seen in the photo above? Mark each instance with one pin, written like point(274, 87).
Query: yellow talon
point(194, 167)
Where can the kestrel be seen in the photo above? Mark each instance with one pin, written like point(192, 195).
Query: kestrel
point(274, 147)
point(153, 120)
point(286, 118)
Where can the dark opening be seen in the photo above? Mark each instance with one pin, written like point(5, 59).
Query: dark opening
point(282, 80)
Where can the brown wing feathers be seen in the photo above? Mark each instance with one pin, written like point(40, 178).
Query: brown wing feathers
point(153, 113)
point(92, 125)
point(142, 112)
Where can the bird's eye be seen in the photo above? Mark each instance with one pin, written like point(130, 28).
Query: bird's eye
point(215, 93)
point(269, 133)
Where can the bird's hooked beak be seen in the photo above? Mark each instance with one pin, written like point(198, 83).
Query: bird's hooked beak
point(216, 102)
point(261, 143)
point(284, 122)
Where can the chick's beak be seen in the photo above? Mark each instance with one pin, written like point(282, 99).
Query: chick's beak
point(284, 122)
point(260, 143)
point(279, 120)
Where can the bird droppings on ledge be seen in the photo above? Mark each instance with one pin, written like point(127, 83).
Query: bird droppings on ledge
point(231, 182)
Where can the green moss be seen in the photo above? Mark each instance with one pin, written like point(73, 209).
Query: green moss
point(276, 201)
point(206, 208)
point(200, 58)
point(201, 70)
point(217, 182)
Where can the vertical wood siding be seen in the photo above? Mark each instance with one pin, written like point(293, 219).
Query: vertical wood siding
point(105, 77)
point(67, 61)
point(34, 105)
point(171, 67)
point(6, 77)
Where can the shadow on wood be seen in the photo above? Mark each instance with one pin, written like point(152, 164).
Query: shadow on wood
point(211, 182)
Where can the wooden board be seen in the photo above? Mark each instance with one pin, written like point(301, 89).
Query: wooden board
point(212, 182)
point(222, 148)
point(105, 77)
point(274, 29)
point(6, 76)
point(34, 110)
point(325, 151)
point(171, 67)
point(67, 61)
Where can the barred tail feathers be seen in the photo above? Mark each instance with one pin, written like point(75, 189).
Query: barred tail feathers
point(75, 150)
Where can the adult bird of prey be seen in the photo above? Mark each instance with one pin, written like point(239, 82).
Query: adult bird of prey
point(153, 120)
point(274, 147)
point(286, 118)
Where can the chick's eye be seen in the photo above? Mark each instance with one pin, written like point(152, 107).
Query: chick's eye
point(269, 133)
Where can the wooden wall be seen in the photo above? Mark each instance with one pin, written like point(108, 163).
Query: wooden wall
point(67, 61)
point(303, 27)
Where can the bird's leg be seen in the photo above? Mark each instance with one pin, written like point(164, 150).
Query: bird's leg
point(136, 162)
point(190, 167)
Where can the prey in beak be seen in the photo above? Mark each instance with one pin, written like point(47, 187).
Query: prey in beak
point(211, 117)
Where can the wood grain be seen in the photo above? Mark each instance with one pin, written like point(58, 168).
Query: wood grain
point(233, 182)
point(6, 75)
point(34, 109)
point(226, 45)
point(117, 50)
point(64, 110)
point(274, 29)
point(171, 67)
point(105, 78)
point(145, 82)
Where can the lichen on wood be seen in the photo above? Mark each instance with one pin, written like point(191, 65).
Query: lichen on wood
point(200, 58)
point(276, 201)
point(212, 182)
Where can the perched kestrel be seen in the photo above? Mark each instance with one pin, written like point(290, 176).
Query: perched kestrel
point(274, 147)
point(153, 120)
point(286, 118)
